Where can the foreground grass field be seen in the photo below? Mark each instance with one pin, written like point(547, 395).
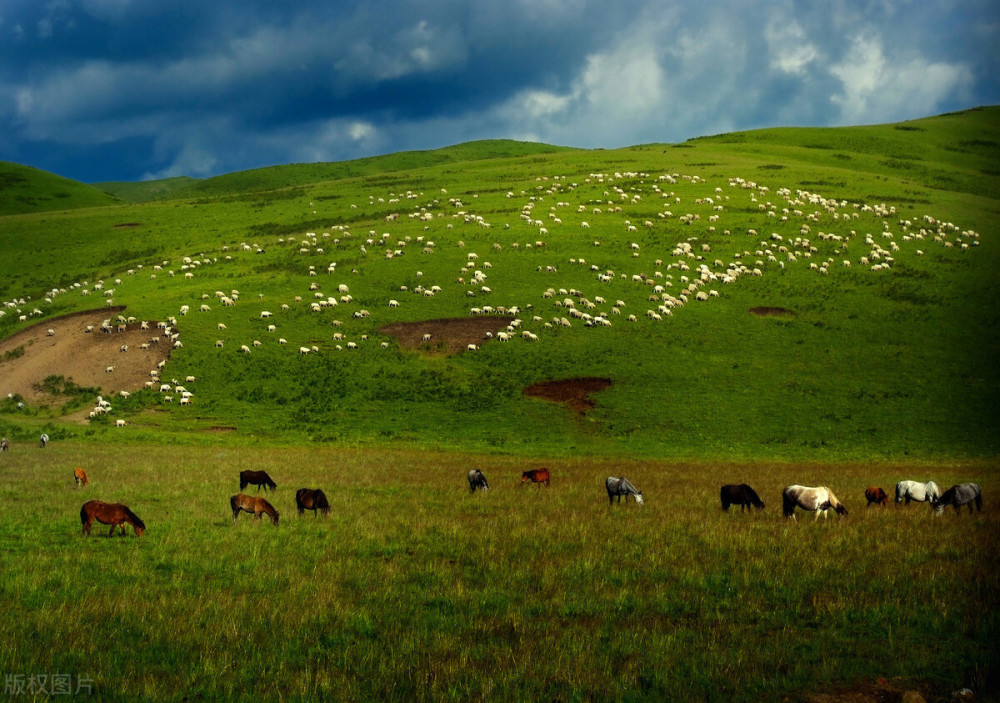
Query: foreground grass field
point(413, 589)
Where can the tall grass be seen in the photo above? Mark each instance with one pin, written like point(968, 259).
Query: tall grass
point(415, 589)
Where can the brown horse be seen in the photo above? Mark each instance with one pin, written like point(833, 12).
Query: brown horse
point(874, 494)
point(252, 504)
point(312, 499)
point(257, 478)
point(538, 476)
point(113, 514)
point(81, 477)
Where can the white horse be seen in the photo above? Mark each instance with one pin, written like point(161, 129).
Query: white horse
point(477, 480)
point(620, 486)
point(818, 499)
point(916, 491)
point(957, 496)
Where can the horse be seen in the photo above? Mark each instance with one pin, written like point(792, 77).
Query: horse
point(4, 444)
point(81, 477)
point(538, 476)
point(620, 486)
point(257, 478)
point(916, 491)
point(742, 495)
point(819, 499)
point(958, 495)
point(114, 514)
point(252, 504)
point(477, 480)
point(44, 439)
point(312, 499)
point(874, 494)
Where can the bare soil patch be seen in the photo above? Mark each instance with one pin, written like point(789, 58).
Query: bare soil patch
point(771, 312)
point(448, 336)
point(78, 355)
point(574, 392)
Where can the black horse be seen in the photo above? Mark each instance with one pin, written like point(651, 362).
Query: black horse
point(742, 495)
point(256, 478)
point(312, 499)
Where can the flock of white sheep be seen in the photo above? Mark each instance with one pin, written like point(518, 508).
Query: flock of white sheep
point(682, 254)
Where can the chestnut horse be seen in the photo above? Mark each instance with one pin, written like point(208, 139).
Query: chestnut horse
point(81, 477)
point(257, 478)
point(742, 495)
point(874, 494)
point(538, 476)
point(113, 514)
point(252, 504)
point(312, 499)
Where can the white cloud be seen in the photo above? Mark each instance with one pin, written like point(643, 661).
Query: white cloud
point(787, 43)
point(876, 89)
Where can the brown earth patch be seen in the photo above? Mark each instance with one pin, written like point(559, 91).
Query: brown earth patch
point(574, 392)
point(771, 312)
point(128, 224)
point(449, 336)
point(78, 355)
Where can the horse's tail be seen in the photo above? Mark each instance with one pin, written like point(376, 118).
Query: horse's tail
point(243, 480)
point(788, 504)
point(83, 514)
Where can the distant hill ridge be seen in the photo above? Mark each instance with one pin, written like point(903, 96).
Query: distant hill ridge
point(967, 141)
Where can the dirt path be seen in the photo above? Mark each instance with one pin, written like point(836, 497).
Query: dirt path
point(30, 356)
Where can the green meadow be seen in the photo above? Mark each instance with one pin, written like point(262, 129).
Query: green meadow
point(877, 245)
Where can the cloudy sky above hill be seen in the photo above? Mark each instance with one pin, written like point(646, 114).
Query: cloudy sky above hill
point(137, 89)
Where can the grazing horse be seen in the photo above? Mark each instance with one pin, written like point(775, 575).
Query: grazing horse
point(81, 477)
point(113, 514)
point(958, 495)
point(252, 504)
point(257, 478)
point(742, 495)
point(477, 480)
point(917, 491)
point(4, 444)
point(621, 486)
point(312, 499)
point(538, 476)
point(44, 439)
point(874, 494)
point(819, 499)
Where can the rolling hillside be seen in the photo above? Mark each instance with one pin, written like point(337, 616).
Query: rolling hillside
point(27, 190)
point(847, 277)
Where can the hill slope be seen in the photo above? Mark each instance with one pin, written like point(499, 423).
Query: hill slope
point(884, 277)
point(286, 176)
point(144, 191)
point(24, 190)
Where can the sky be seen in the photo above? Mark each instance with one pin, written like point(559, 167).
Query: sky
point(129, 90)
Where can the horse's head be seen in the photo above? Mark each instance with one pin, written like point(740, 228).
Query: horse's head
point(638, 497)
point(139, 530)
point(840, 509)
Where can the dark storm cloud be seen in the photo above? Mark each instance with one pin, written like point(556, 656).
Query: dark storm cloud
point(95, 89)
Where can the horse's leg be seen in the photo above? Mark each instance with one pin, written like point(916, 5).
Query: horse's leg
point(114, 526)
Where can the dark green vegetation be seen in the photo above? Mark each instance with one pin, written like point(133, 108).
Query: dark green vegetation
point(413, 589)
point(892, 363)
point(144, 191)
point(24, 189)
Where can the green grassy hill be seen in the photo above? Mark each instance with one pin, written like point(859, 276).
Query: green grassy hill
point(144, 191)
point(889, 355)
point(26, 190)
point(292, 175)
